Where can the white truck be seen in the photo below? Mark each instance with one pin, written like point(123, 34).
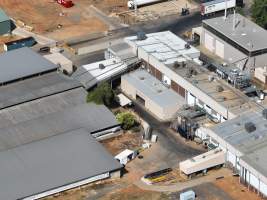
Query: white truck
point(216, 5)
point(131, 3)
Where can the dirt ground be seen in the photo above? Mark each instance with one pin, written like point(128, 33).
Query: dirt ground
point(128, 140)
point(231, 186)
point(44, 16)
point(155, 11)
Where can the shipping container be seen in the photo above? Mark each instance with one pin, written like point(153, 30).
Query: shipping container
point(16, 44)
point(139, 3)
point(216, 6)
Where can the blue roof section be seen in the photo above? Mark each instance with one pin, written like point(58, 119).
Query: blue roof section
point(3, 16)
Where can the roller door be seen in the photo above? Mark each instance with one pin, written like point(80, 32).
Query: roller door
point(219, 49)
point(231, 158)
point(209, 42)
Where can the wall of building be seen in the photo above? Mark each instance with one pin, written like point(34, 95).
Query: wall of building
point(68, 187)
point(162, 113)
point(5, 27)
point(230, 53)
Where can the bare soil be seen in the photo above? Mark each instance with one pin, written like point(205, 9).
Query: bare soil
point(233, 188)
point(45, 16)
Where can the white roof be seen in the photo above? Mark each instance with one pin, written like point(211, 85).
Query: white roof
point(124, 154)
point(165, 46)
point(124, 100)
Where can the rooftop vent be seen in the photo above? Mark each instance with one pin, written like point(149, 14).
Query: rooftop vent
point(187, 46)
point(264, 113)
point(142, 78)
point(219, 88)
point(101, 66)
point(141, 35)
point(250, 127)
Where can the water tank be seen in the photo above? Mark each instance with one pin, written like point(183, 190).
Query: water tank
point(250, 127)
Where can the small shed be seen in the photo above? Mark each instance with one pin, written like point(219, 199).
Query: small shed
point(60, 59)
point(125, 156)
point(188, 195)
point(5, 23)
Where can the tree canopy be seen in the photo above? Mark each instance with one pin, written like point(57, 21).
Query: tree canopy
point(126, 119)
point(259, 12)
point(102, 94)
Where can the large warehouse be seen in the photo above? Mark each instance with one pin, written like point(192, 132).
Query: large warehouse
point(5, 23)
point(237, 40)
point(54, 164)
point(244, 140)
point(23, 63)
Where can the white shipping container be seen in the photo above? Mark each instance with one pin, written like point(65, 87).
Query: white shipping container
point(141, 2)
point(216, 5)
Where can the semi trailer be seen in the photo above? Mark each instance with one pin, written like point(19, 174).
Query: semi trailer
point(65, 3)
point(131, 3)
point(216, 6)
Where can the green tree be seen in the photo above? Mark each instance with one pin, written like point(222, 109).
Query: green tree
point(102, 94)
point(259, 12)
point(126, 119)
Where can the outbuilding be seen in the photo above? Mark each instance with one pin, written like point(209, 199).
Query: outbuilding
point(160, 100)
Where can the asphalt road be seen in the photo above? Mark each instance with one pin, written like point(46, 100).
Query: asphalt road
point(167, 138)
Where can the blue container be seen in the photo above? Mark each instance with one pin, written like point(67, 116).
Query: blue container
point(16, 44)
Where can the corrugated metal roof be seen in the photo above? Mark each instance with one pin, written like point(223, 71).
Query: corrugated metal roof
point(3, 16)
point(88, 116)
point(51, 163)
point(21, 63)
point(35, 88)
point(34, 109)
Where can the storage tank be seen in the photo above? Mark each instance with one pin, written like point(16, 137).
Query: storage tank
point(141, 3)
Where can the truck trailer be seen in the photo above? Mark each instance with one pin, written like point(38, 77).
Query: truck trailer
point(216, 6)
point(65, 3)
point(131, 3)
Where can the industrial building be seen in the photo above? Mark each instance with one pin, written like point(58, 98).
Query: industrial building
point(53, 165)
point(5, 23)
point(176, 64)
point(156, 97)
point(244, 141)
point(23, 63)
point(119, 58)
point(236, 40)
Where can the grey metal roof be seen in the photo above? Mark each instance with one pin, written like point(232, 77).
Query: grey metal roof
point(246, 33)
point(233, 132)
point(34, 109)
point(153, 89)
point(88, 116)
point(21, 63)
point(53, 162)
point(3, 16)
point(35, 88)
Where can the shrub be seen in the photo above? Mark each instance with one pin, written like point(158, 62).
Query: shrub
point(126, 119)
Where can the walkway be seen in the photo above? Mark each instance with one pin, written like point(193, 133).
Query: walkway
point(185, 185)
